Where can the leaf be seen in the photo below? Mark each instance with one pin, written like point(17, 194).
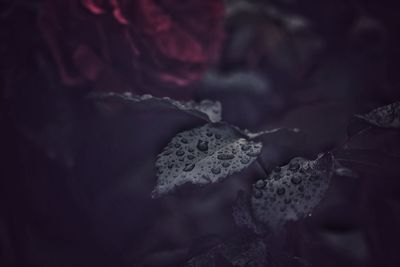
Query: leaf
point(386, 116)
point(207, 110)
point(242, 214)
point(203, 260)
point(203, 155)
point(240, 251)
point(291, 192)
point(246, 254)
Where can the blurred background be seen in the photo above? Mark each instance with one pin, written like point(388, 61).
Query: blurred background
point(76, 176)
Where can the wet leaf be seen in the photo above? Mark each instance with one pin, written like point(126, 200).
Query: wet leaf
point(386, 116)
point(206, 109)
point(291, 192)
point(203, 155)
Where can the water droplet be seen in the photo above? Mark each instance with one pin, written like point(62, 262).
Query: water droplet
point(260, 184)
point(276, 177)
point(296, 179)
point(170, 166)
point(245, 160)
point(245, 147)
point(209, 134)
point(294, 166)
point(177, 145)
point(202, 145)
point(184, 140)
point(189, 167)
point(258, 193)
point(180, 153)
point(225, 164)
point(191, 149)
point(225, 157)
point(206, 177)
point(280, 191)
point(190, 157)
point(216, 170)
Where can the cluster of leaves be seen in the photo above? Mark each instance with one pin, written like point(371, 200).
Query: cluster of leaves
point(214, 151)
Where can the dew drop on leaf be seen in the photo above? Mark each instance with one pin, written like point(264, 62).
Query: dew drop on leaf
point(225, 156)
point(225, 164)
point(260, 184)
point(216, 170)
point(180, 153)
point(202, 145)
point(296, 179)
point(189, 167)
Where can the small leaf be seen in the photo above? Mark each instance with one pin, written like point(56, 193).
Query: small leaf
point(203, 155)
point(206, 109)
point(291, 192)
point(386, 117)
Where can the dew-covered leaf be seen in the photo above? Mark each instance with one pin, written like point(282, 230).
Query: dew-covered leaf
point(203, 155)
point(206, 109)
point(386, 116)
point(291, 192)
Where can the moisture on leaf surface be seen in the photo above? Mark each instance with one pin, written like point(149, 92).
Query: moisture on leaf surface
point(203, 155)
point(386, 116)
point(292, 191)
